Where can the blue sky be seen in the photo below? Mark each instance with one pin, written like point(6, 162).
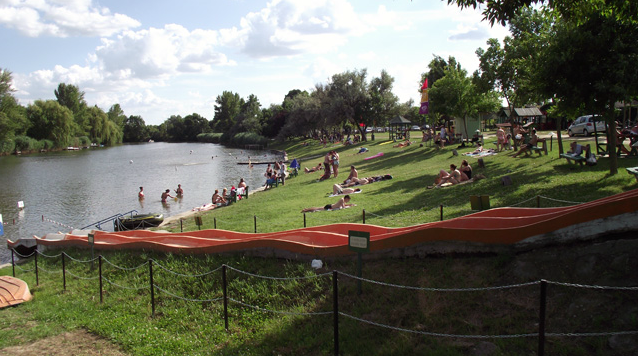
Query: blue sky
point(162, 58)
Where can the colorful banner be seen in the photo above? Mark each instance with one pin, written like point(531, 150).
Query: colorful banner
point(425, 100)
point(1, 226)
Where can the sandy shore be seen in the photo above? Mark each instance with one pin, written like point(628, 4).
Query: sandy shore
point(188, 214)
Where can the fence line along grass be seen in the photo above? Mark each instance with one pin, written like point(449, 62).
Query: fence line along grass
point(275, 304)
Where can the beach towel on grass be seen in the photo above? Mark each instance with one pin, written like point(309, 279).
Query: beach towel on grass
point(480, 154)
point(336, 195)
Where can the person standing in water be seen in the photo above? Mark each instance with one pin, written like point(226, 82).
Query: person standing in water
point(166, 195)
point(140, 195)
point(179, 191)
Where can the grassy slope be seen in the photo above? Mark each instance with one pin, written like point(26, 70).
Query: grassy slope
point(197, 328)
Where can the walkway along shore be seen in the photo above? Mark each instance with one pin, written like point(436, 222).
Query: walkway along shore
point(191, 213)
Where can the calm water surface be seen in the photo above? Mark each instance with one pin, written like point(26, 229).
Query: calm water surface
point(77, 188)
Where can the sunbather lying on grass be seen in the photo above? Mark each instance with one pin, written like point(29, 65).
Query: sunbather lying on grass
point(338, 190)
point(341, 204)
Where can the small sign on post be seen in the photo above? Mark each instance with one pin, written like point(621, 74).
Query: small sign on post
point(359, 242)
point(198, 222)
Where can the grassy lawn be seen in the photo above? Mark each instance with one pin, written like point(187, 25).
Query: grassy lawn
point(197, 327)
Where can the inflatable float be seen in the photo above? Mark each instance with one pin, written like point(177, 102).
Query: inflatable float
point(375, 156)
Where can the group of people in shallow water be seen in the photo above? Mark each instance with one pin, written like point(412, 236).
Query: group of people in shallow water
point(179, 193)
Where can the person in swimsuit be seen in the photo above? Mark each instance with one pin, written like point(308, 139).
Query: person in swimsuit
point(454, 177)
point(335, 163)
point(179, 191)
point(218, 199)
point(466, 171)
point(165, 195)
point(140, 195)
point(341, 204)
point(526, 147)
point(500, 139)
point(338, 190)
point(353, 174)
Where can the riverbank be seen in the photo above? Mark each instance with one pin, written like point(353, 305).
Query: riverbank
point(192, 213)
point(288, 314)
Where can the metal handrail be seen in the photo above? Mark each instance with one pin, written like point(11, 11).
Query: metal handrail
point(110, 218)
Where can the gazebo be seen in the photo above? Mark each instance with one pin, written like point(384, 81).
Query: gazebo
point(400, 128)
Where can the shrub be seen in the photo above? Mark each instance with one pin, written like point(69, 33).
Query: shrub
point(84, 141)
point(7, 146)
point(210, 137)
point(248, 138)
point(26, 143)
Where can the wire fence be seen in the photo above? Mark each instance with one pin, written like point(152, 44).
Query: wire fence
point(222, 295)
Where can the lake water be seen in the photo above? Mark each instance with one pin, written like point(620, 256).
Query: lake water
point(77, 188)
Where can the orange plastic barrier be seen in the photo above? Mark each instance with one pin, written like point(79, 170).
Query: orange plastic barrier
point(495, 226)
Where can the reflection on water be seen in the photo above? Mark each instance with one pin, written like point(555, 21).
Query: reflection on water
point(77, 188)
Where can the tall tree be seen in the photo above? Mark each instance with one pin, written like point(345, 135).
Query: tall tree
point(175, 128)
point(456, 95)
point(598, 70)
point(349, 100)
point(227, 107)
point(72, 97)
point(194, 124)
point(383, 102)
point(13, 119)
point(50, 121)
point(135, 129)
point(116, 114)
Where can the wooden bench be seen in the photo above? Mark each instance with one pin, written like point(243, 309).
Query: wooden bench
point(634, 171)
point(571, 157)
point(540, 148)
point(233, 195)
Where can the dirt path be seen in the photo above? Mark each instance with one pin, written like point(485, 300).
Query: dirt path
point(78, 342)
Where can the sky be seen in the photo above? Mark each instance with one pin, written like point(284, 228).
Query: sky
point(161, 58)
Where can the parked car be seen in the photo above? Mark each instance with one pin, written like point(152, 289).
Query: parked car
point(369, 129)
point(416, 128)
point(584, 125)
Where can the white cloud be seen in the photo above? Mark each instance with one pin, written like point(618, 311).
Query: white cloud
point(160, 53)
point(36, 18)
point(291, 27)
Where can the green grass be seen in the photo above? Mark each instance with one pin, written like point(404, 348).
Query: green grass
point(182, 327)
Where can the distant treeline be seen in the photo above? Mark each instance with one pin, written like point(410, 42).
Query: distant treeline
point(347, 103)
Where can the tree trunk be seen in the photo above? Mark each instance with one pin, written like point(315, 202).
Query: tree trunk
point(559, 138)
point(612, 141)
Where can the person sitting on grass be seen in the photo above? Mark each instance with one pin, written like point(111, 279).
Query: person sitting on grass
point(453, 177)
point(353, 174)
point(218, 199)
point(341, 204)
point(527, 147)
point(339, 190)
point(466, 171)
